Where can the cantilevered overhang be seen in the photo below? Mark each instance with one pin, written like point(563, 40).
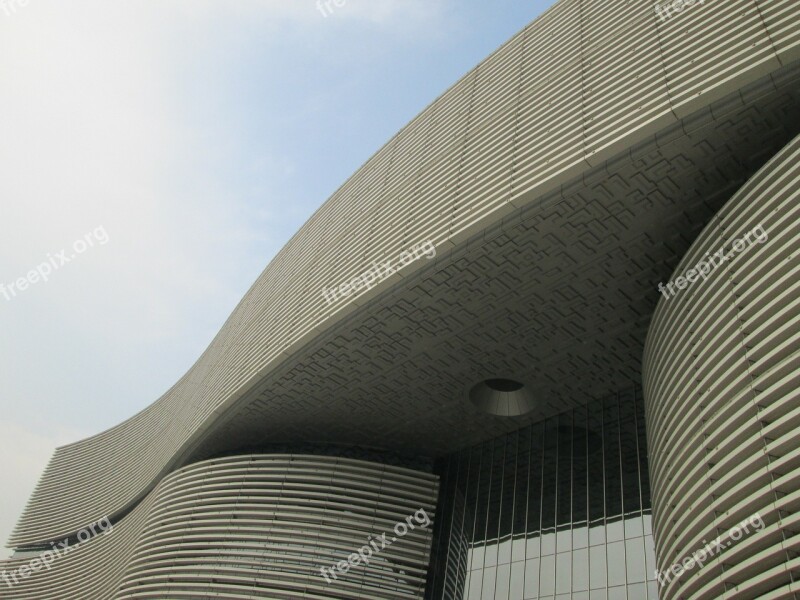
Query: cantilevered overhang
point(559, 181)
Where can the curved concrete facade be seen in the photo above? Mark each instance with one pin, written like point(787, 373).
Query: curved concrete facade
point(258, 526)
point(528, 215)
point(579, 86)
point(722, 390)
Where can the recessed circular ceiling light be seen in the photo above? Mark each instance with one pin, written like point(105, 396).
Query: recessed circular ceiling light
point(502, 397)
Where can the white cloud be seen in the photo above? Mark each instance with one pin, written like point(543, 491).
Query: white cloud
point(94, 131)
point(376, 11)
point(97, 136)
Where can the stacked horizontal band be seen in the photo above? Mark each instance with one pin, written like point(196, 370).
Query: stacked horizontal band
point(267, 526)
point(89, 571)
point(256, 526)
point(582, 83)
point(722, 390)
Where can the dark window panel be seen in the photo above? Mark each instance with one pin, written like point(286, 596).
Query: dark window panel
point(580, 491)
point(564, 477)
point(549, 473)
point(566, 482)
point(595, 463)
point(612, 457)
point(507, 508)
point(535, 478)
point(629, 446)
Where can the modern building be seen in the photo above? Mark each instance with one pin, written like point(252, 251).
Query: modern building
point(545, 343)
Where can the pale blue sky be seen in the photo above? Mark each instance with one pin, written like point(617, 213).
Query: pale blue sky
point(200, 135)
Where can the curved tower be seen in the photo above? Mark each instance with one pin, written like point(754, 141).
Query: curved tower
point(722, 391)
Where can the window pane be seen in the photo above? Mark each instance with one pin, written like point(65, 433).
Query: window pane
point(533, 547)
point(647, 519)
point(547, 576)
point(518, 550)
point(532, 578)
point(548, 542)
point(597, 567)
point(504, 552)
point(650, 557)
point(597, 533)
point(563, 540)
point(580, 536)
point(652, 590)
point(615, 530)
point(474, 585)
point(563, 572)
point(503, 579)
point(612, 459)
point(564, 475)
point(477, 557)
point(634, 558)
point(522, 485)
point(616, 563)
point(549, 474)
point(490, 554)
point(634, 527)
point(580, 570)
point(517, 585)
point(637, 591)
point(489, 576)
point(496, 490)
point(617, 593)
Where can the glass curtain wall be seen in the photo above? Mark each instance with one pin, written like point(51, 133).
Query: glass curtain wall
point(559, 509)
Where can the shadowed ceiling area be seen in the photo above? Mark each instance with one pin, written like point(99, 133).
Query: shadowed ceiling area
point(559, 297)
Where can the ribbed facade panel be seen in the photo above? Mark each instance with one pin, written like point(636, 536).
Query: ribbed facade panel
point(536, 114)
point(255, 526)
point(722, 381)
point(701, 67)
point(780, 18)
point(91, 571)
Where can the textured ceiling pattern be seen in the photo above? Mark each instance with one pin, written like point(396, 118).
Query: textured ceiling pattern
point(572, 90)
point(559, 297)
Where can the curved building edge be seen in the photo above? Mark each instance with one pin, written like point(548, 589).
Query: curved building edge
point(538, 113)
point(253, 526)
point(722, 391)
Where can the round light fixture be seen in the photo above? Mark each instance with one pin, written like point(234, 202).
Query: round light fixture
point(502, 397)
